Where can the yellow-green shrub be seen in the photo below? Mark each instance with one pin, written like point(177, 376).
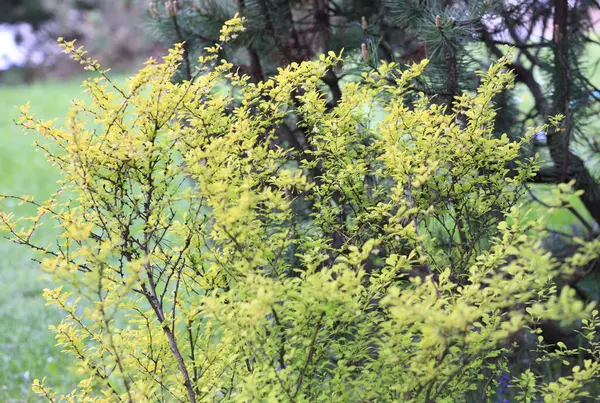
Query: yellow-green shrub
point(384, 261)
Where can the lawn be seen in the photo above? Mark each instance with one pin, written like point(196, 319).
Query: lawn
point(27, 347)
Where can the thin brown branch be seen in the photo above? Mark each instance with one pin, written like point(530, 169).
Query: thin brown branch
point(309, 357)
point(181, 39)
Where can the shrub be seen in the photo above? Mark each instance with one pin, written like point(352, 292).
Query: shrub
point(386, 261)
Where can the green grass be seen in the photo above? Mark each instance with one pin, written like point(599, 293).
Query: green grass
point(27, 347)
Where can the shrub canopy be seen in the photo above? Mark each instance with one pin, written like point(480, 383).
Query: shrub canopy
point(197, 261)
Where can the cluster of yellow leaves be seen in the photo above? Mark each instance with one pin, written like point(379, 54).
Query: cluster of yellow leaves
point(203, 259)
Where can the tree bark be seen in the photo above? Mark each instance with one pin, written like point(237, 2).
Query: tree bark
point(567, 164)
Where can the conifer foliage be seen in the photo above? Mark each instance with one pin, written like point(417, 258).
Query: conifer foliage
point(199, 260)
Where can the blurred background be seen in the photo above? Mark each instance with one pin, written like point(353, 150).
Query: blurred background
point(112, 30)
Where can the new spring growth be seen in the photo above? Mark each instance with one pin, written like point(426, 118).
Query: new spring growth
point(438, 21)
point(171, 8)
point(153, 10)
point(364, 25)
